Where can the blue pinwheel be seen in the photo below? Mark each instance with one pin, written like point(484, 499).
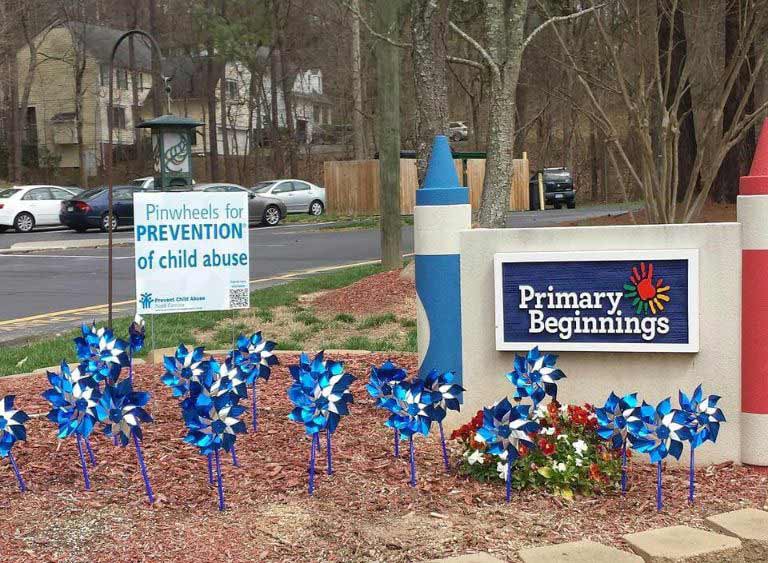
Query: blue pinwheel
point(445, 396)
point(75, 408)
point(505, 428)
point(135, 341)
point(379, 387)
point(103, 355)
point(255, 360)
point(666, 432)
point(12, 430)
point(184, 368)
point(411, 407)
point(617, 420)
point(213, 421)
point(321, 396)
point(703, 421)
point(534, 376)
point(125, 413)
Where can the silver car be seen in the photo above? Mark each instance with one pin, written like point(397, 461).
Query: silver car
point(299, 196)
point(261, 209)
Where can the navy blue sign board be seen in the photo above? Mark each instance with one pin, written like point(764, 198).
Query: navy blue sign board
point(602, 301)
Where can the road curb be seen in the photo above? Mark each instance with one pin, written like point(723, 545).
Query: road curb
point(43, 371)
point(27, 247)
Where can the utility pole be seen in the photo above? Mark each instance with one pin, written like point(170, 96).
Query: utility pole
point(388, 120)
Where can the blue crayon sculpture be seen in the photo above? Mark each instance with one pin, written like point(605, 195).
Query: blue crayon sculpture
point(442, 210)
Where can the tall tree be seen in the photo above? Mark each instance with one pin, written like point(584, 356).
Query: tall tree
point(429, 26)
point(157, 83)
point(388, 121)
point(358, 122)
point(212, 76)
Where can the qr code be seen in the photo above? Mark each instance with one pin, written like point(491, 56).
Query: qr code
point(239, 298)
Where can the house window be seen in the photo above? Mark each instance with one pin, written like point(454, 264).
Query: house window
point(140, 75)
point(104, 75)
point(233, 92)
point(122, 78)
point(316, 114)
point(118, 117)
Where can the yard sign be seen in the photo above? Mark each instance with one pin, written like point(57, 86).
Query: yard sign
point(191, 251)
point(603, 301)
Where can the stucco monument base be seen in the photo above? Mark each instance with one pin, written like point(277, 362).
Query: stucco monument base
point(591, 376)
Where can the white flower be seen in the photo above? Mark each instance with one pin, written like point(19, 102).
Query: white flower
point(540, 412)
point(580, 447)
point(503, 455)
point(563, 437)
point(502, 470)
point(564, 411)
point(579, 462)
point(476, 457)
point(559, 467)
point(548, 431)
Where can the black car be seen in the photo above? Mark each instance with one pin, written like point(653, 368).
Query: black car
point(558, 188)
point(90, 209)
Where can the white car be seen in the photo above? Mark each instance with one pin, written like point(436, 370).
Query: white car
point(299, 196)
point(147, 183)
point(25, 207)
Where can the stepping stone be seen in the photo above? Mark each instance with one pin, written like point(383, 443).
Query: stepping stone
point(481, 557)
point(577, 552)
point(681, 544)
point(750, 525)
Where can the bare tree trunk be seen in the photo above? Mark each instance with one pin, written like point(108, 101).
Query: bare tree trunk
point(429, 25)
point(278, 166)
point(212, 77)
point(388, 117)
point(358, 122)
point(135, 111)
point(286, 82)
point(15, 171)
point(224, 128)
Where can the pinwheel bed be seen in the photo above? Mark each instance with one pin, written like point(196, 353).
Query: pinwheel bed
point(365, 511)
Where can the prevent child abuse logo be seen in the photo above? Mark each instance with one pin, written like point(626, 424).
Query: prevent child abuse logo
point(597, 301)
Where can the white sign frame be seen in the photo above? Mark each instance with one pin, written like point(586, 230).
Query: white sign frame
point(691, 255)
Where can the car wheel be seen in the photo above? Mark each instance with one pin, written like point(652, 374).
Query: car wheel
point(271, 216)
point(558, 206)
point(104, 226)
point(24, 222)
point(571, 205)
point(456, 136)
point(316, 208)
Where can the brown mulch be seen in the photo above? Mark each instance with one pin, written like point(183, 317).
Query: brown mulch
point(364, 512)
point(385, 292)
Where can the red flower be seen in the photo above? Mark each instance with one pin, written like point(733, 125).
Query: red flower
point(578, 415)
point(594, 472)
point(522, 450)
point(546, 447)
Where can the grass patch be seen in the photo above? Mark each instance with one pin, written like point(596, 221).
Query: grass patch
point(307, 317)
point(359, 223)
point(377, 320)
point(171, 329)
point(408, 323)
point(345, 318)
point(359, 342)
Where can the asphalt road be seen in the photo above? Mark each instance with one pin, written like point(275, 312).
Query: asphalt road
point(52, 290)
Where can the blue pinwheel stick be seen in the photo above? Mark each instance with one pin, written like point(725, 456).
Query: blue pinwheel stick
point(125, 413)
point(703, 419)
point(380, 384)
point(445, 396)
point(12, 430)
point(321, 396)
point(255, 357)
point(617, 420)
point(505, 428)
point(410, 405)
point(665, 433)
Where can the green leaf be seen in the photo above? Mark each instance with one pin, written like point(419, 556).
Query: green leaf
point(566, 493)
point(545, 472)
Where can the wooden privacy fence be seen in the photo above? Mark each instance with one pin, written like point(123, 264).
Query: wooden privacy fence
point(352, 186)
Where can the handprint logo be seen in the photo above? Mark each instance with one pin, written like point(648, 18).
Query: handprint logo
point(644, 293)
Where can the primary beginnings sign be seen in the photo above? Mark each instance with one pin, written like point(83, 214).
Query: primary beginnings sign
point(631, 301)
point(191, 251)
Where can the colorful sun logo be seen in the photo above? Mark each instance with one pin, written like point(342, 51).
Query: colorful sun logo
point(644, 293)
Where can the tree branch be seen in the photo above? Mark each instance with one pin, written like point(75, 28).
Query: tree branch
point(479, 48)
point(370, 29)
point(556, 19)
point(467, 62)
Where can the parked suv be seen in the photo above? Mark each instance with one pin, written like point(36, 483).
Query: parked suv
point(458, 131)
point(558, 187)
point(90, 209)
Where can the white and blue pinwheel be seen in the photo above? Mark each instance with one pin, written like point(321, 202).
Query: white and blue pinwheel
point(321, 396)
point(379, 387)
point(703, 420)
point(617, 420)
point(505, 428)
point(184, 368)
point(102, 354)
point(666, 433)
point(12, 430)
point(255, 357)
point(446, 396)
point(125, 413)
point(535, 376)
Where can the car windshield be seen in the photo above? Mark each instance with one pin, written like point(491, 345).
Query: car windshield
point(262, 187)
point(139, 182)
point(8, 192)
point(558, 174)
point(87, 194)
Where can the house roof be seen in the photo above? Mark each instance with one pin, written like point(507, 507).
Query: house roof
point(100, 40)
